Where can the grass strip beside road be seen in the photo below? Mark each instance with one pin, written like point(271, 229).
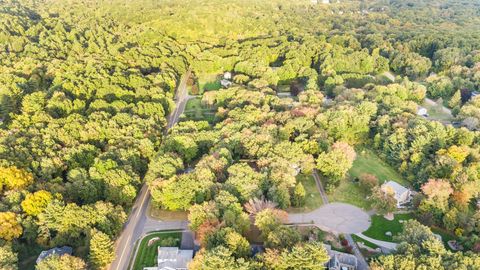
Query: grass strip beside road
point(146, 256)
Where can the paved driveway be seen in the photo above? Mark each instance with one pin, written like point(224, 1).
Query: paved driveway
point(335, 218)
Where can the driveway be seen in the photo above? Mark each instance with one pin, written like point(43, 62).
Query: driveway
point(336, 218)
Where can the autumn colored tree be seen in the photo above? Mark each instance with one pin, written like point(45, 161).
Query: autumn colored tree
point(368, 182)
point(10, 228)
point(308, 256)
point(383, 200)
point(14, 178)
point(336, 163)
point(34, 203)
point(63, 262)
point(437, 193)
point(8, 258)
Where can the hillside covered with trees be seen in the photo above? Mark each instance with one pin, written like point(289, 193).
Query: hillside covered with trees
point(86, 88)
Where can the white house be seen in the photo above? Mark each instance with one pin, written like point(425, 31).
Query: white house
point(402, 194)
point(172, 258)
point(422, 112)
point(227, 75)
point(225, 83)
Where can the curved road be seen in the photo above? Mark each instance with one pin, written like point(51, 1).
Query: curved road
point(138, 221)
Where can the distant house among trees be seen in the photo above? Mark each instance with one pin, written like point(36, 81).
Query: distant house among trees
point(227, 75)
point(226, 81)
point(401, 194)
point(422, 112)
point(59, 251)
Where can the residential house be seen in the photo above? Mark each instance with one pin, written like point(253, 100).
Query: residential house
point(339, 260)
point(225, 83)
point(172, 258)
point(227, 75)
point(402, 194)
point(422, 112)
point(54, 251)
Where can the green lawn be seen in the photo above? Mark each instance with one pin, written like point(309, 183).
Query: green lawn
point(365, 242)
point(437, 112)
point(147, 255)
point(194, 110)
point(313, 200)
point(367, 162)
point(209, 82)
point(380, 226)
point(349, 192)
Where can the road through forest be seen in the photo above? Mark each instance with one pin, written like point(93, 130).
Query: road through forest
point(138, 222)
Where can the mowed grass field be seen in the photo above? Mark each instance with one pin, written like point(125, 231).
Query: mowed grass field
point(194, 110)
point(437, 112)
point(367, 161)
point(312, 196)
point(209, 82)
point(380, 226)
point(147, 255)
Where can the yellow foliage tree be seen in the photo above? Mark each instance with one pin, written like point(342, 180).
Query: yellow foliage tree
point(9, 226)
point(34, 203)
point(14, 178)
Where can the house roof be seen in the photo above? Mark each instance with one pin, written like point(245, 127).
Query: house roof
point(396, 187)
point(172, 258)
point(54, 251)
point(337, 257)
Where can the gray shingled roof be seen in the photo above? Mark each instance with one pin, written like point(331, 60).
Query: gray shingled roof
point(173, 258)
point(54, 251)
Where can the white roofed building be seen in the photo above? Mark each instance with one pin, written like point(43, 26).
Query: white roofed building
point(402, 194)
point(172, 258)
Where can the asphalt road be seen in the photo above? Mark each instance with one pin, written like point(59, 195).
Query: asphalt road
point(348, 219)
point(138, 222)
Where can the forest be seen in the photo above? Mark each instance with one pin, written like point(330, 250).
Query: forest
point(86, 88)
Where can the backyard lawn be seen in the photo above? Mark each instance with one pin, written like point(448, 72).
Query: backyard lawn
point(209, 82)
point(367, 162)
point(365, 242)
point(312, 196)
point(147, 255)
point(194, 110)
point(436, 111)
point(349, 192)
point(380, 226)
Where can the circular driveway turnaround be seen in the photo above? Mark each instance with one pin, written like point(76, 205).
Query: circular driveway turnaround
point(335, 218)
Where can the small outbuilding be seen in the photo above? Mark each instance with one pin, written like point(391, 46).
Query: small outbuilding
point(59, 251)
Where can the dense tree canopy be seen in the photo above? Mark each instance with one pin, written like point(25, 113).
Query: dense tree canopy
point(86, 88)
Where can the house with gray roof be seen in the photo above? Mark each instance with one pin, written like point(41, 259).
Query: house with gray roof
point(401, 194)
point(59, 251)
point(172, 258)
point(339, 260)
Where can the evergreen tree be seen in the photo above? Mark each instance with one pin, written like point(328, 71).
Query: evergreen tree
point(101, 249)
